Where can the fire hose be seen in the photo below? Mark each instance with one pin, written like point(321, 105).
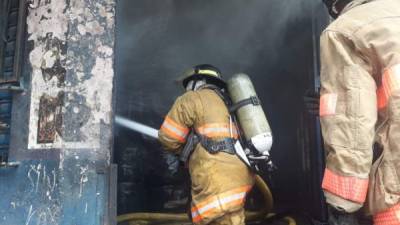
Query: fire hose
point(146, 218)
point(265, 212)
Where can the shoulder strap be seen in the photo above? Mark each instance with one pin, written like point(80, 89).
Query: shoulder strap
point(222, 94)
point(232, 108)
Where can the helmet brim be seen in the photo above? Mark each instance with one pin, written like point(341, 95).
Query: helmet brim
point(217, 81)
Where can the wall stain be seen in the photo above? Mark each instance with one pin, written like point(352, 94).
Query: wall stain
point(50, 117)
point(72, 54)
point(53, 61)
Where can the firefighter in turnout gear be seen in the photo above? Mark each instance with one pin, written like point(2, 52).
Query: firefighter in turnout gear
point(360, 106)
point(220, 180)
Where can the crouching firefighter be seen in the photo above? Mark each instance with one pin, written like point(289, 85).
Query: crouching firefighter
point(200, 120)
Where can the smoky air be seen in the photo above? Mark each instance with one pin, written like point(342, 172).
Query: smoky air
point(270, 40)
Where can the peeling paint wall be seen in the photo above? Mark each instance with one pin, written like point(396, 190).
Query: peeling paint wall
point(71, 59)
point(61, 132)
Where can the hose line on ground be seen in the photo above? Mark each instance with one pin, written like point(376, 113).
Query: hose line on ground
point(145, 218)
point(290, 220)
point(268, 201)
point(182, 217)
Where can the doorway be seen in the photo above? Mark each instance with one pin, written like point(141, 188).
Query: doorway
point(272, 41)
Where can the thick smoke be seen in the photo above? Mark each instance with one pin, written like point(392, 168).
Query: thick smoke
point(271, 40)
point(157, 40)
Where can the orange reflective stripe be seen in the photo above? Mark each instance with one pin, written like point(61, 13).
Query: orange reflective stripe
point(215, 204)
point(218, 130)
point(350, 188)
point(327, 105)
point(212, 198)
point(174, 130)
point(382, 98)
point(391, 79)
point(390, 216)
point(197, 218)
point(390, 83)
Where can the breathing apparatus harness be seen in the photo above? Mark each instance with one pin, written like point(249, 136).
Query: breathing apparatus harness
point(226, 145)
point(250, 156)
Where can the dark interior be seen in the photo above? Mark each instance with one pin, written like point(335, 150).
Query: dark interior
point(273, 41)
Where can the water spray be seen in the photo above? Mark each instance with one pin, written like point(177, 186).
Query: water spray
point(138, 127)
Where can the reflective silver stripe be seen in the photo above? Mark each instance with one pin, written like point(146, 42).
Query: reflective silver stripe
point(232, 198)
point(175, 130)
point(205, 130)
point(219, 203)
point(214, 129)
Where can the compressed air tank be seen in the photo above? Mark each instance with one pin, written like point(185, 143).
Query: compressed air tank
point(249, 113)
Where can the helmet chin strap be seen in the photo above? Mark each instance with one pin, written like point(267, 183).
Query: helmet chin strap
point(194, 85)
